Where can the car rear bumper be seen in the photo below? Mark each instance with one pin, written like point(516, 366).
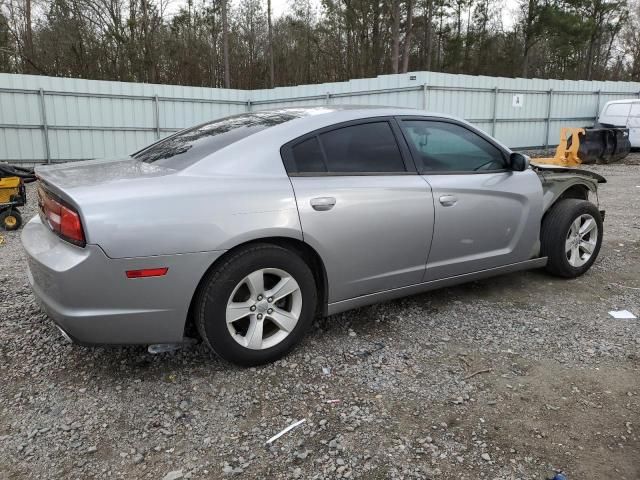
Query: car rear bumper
point(90, 298)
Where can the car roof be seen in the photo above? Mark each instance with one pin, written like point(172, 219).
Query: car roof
point(629, 100)
point(362, 111)
point(310, 118)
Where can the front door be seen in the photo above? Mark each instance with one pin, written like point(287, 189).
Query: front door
point(361, 207)
point(486, 215)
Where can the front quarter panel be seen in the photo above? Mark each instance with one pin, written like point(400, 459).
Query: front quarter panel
point(554, 185)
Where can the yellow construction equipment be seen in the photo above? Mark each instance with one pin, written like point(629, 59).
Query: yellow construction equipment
point(12, 195)
point(567, 150)
point(599, 144)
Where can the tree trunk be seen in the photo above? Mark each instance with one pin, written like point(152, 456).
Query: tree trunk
point(589, 62)
point(375, 40)
point(214, 57)
point(407, 37)
point(225, 45)
point(428, 34)
point(528, 38)
point(28, 36)
point(614, 34)
point(395, 34)
point(439, 63)
point(272, 75)
point(525, 64)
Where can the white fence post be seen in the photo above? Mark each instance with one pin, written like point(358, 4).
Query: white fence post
point(156, 116)
point(45, 126)
point(548, 124)
point(495, 112)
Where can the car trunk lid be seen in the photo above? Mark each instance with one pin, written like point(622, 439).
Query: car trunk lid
point(68, 176)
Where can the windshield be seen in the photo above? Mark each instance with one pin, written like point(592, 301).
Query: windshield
point(189, 146)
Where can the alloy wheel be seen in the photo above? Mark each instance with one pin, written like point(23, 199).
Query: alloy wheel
point(264, 308)
point(581, 240)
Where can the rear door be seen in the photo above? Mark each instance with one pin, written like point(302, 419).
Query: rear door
point(362, 206)
point(486, 215)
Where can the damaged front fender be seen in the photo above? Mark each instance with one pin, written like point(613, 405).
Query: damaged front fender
point(562, 182)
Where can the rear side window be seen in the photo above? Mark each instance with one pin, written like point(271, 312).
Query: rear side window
point(309, 157)
point(364, 148)
point(189, 146)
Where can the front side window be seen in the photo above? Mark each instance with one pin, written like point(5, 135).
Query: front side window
point(364, 148)
point(447, 147)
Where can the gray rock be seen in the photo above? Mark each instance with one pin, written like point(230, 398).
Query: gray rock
point(174, 475)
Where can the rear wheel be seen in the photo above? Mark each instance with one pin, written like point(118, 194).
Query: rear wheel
point(257, 305)
point(571, 237)
point(10, 219)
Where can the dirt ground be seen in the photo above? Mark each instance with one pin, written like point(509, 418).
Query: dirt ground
point(506, 378)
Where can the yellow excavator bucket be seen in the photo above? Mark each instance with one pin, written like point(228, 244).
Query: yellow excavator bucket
point(566, 156)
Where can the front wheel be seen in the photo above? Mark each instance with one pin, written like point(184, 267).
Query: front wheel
point(571, 237)
point(257, 305)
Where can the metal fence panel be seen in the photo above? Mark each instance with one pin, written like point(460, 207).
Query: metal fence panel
point(60, 119)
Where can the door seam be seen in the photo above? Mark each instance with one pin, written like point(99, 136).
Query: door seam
point(433, 227)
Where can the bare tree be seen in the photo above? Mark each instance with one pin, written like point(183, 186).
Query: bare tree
point(395, 35)
point(207, 42)
point(28, 33)
point(272, 70)
point(225, 44)
point(407, 37)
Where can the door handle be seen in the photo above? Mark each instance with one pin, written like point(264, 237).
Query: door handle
point(448, 200)
point(322, 204)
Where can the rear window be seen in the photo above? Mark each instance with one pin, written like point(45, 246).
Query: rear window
point(190, 146)
point(618, 109)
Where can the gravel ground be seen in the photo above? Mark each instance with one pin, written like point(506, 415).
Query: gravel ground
point(507, 378)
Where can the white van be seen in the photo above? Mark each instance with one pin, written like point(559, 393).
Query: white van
point(623, 113)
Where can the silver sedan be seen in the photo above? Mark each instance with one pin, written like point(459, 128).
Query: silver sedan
point(245, 228)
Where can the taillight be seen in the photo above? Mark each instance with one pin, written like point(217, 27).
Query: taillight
point(61, 218)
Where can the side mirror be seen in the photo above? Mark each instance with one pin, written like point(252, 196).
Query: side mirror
point(518, 162)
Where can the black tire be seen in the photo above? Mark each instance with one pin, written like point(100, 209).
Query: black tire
point(10, 219)
point(219, 284)
point(555, 230)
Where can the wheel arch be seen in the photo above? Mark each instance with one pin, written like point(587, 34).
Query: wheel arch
point(304, 250)
point(575, 188)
